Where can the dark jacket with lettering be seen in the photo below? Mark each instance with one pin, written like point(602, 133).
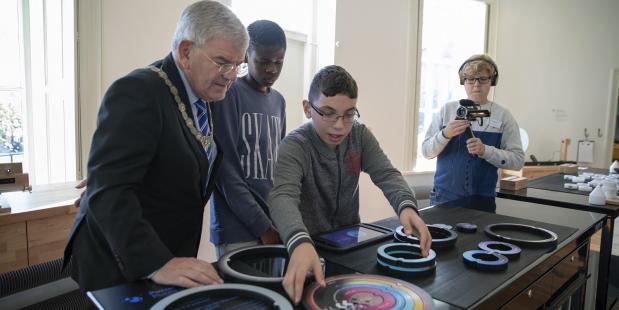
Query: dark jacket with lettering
point(249, 126)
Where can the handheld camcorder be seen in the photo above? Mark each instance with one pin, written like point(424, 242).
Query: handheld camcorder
point(470, 111)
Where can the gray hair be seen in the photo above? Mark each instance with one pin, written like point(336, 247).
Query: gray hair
point(205, 20)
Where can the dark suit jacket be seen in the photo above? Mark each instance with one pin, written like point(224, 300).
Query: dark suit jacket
point(147, 185)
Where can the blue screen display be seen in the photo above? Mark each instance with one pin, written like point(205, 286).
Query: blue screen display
point(351, 235)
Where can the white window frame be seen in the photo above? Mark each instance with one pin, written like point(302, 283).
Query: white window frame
point(489, 48)
point(48, 90)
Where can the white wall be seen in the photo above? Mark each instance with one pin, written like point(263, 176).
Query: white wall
point(135, 33)
point(558, 54)
point(377, 45)
point(290, 81)
point(116, 37)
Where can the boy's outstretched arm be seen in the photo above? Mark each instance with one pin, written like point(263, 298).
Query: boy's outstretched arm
point(413, 224)
point(284, 202)
point(304, 259)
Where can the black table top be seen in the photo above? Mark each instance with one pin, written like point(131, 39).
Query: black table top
point(582, 222)
point(554, 182)
point(455, 283)
point(549, 190)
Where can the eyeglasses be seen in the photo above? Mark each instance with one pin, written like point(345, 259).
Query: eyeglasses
point(332, 117)
point(481, 80)
point(241, 69)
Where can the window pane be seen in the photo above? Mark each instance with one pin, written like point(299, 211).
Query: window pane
point(10, 75)
point(37, 88)
point(11, 127)
point(290, 15)
point(310, 30)
point(452, 31)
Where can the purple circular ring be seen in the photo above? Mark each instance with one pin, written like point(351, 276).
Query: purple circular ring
point(509, 250)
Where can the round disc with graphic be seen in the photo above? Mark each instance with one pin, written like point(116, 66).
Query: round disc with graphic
point(368, 292)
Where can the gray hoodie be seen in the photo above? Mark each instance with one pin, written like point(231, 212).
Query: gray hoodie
point(316, 189)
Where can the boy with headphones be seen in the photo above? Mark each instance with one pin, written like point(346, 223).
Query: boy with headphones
point(468, 166)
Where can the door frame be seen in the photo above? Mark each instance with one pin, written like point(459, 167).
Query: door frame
point(613, 103)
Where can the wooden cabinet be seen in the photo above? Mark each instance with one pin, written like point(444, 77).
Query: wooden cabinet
point(38, 225)
point(13, 246)
point(47, 238)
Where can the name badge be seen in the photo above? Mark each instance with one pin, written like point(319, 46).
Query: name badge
point(495, 123)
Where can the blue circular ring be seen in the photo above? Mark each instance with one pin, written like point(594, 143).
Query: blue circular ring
point(500, 263)
point(405, 270)
point(389, 255)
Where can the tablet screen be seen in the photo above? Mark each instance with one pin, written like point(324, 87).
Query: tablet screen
point(351, 235)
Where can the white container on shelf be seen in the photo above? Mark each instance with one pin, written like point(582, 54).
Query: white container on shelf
point(610, 189)
point(612, 167)
point(597, 196)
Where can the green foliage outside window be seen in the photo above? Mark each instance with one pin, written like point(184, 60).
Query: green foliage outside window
point(11, 134)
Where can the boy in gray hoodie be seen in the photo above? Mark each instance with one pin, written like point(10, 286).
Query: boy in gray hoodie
point(316, 178)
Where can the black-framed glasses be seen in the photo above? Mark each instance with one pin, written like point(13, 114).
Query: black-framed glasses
point(481, 80)
point(332, 117)
point(241, 69)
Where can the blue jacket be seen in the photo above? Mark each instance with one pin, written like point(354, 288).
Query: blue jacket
point(458, 174)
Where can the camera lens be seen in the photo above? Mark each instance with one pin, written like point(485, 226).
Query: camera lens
point(461, 112)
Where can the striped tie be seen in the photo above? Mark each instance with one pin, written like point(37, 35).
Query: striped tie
point(203, 125)
point(202, 113)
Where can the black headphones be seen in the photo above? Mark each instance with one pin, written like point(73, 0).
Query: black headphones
point(493, 79)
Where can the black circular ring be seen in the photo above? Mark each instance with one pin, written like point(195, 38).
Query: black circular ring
point(466, 227)
point(511, 251)
point(441, 238)
point(224, 263)
point(484, 260)
point(550, 237)
point(273, 299)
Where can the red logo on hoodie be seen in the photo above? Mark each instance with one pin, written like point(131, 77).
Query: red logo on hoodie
point(352, 162)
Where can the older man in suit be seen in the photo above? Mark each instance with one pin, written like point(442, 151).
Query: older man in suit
point(153, 160)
